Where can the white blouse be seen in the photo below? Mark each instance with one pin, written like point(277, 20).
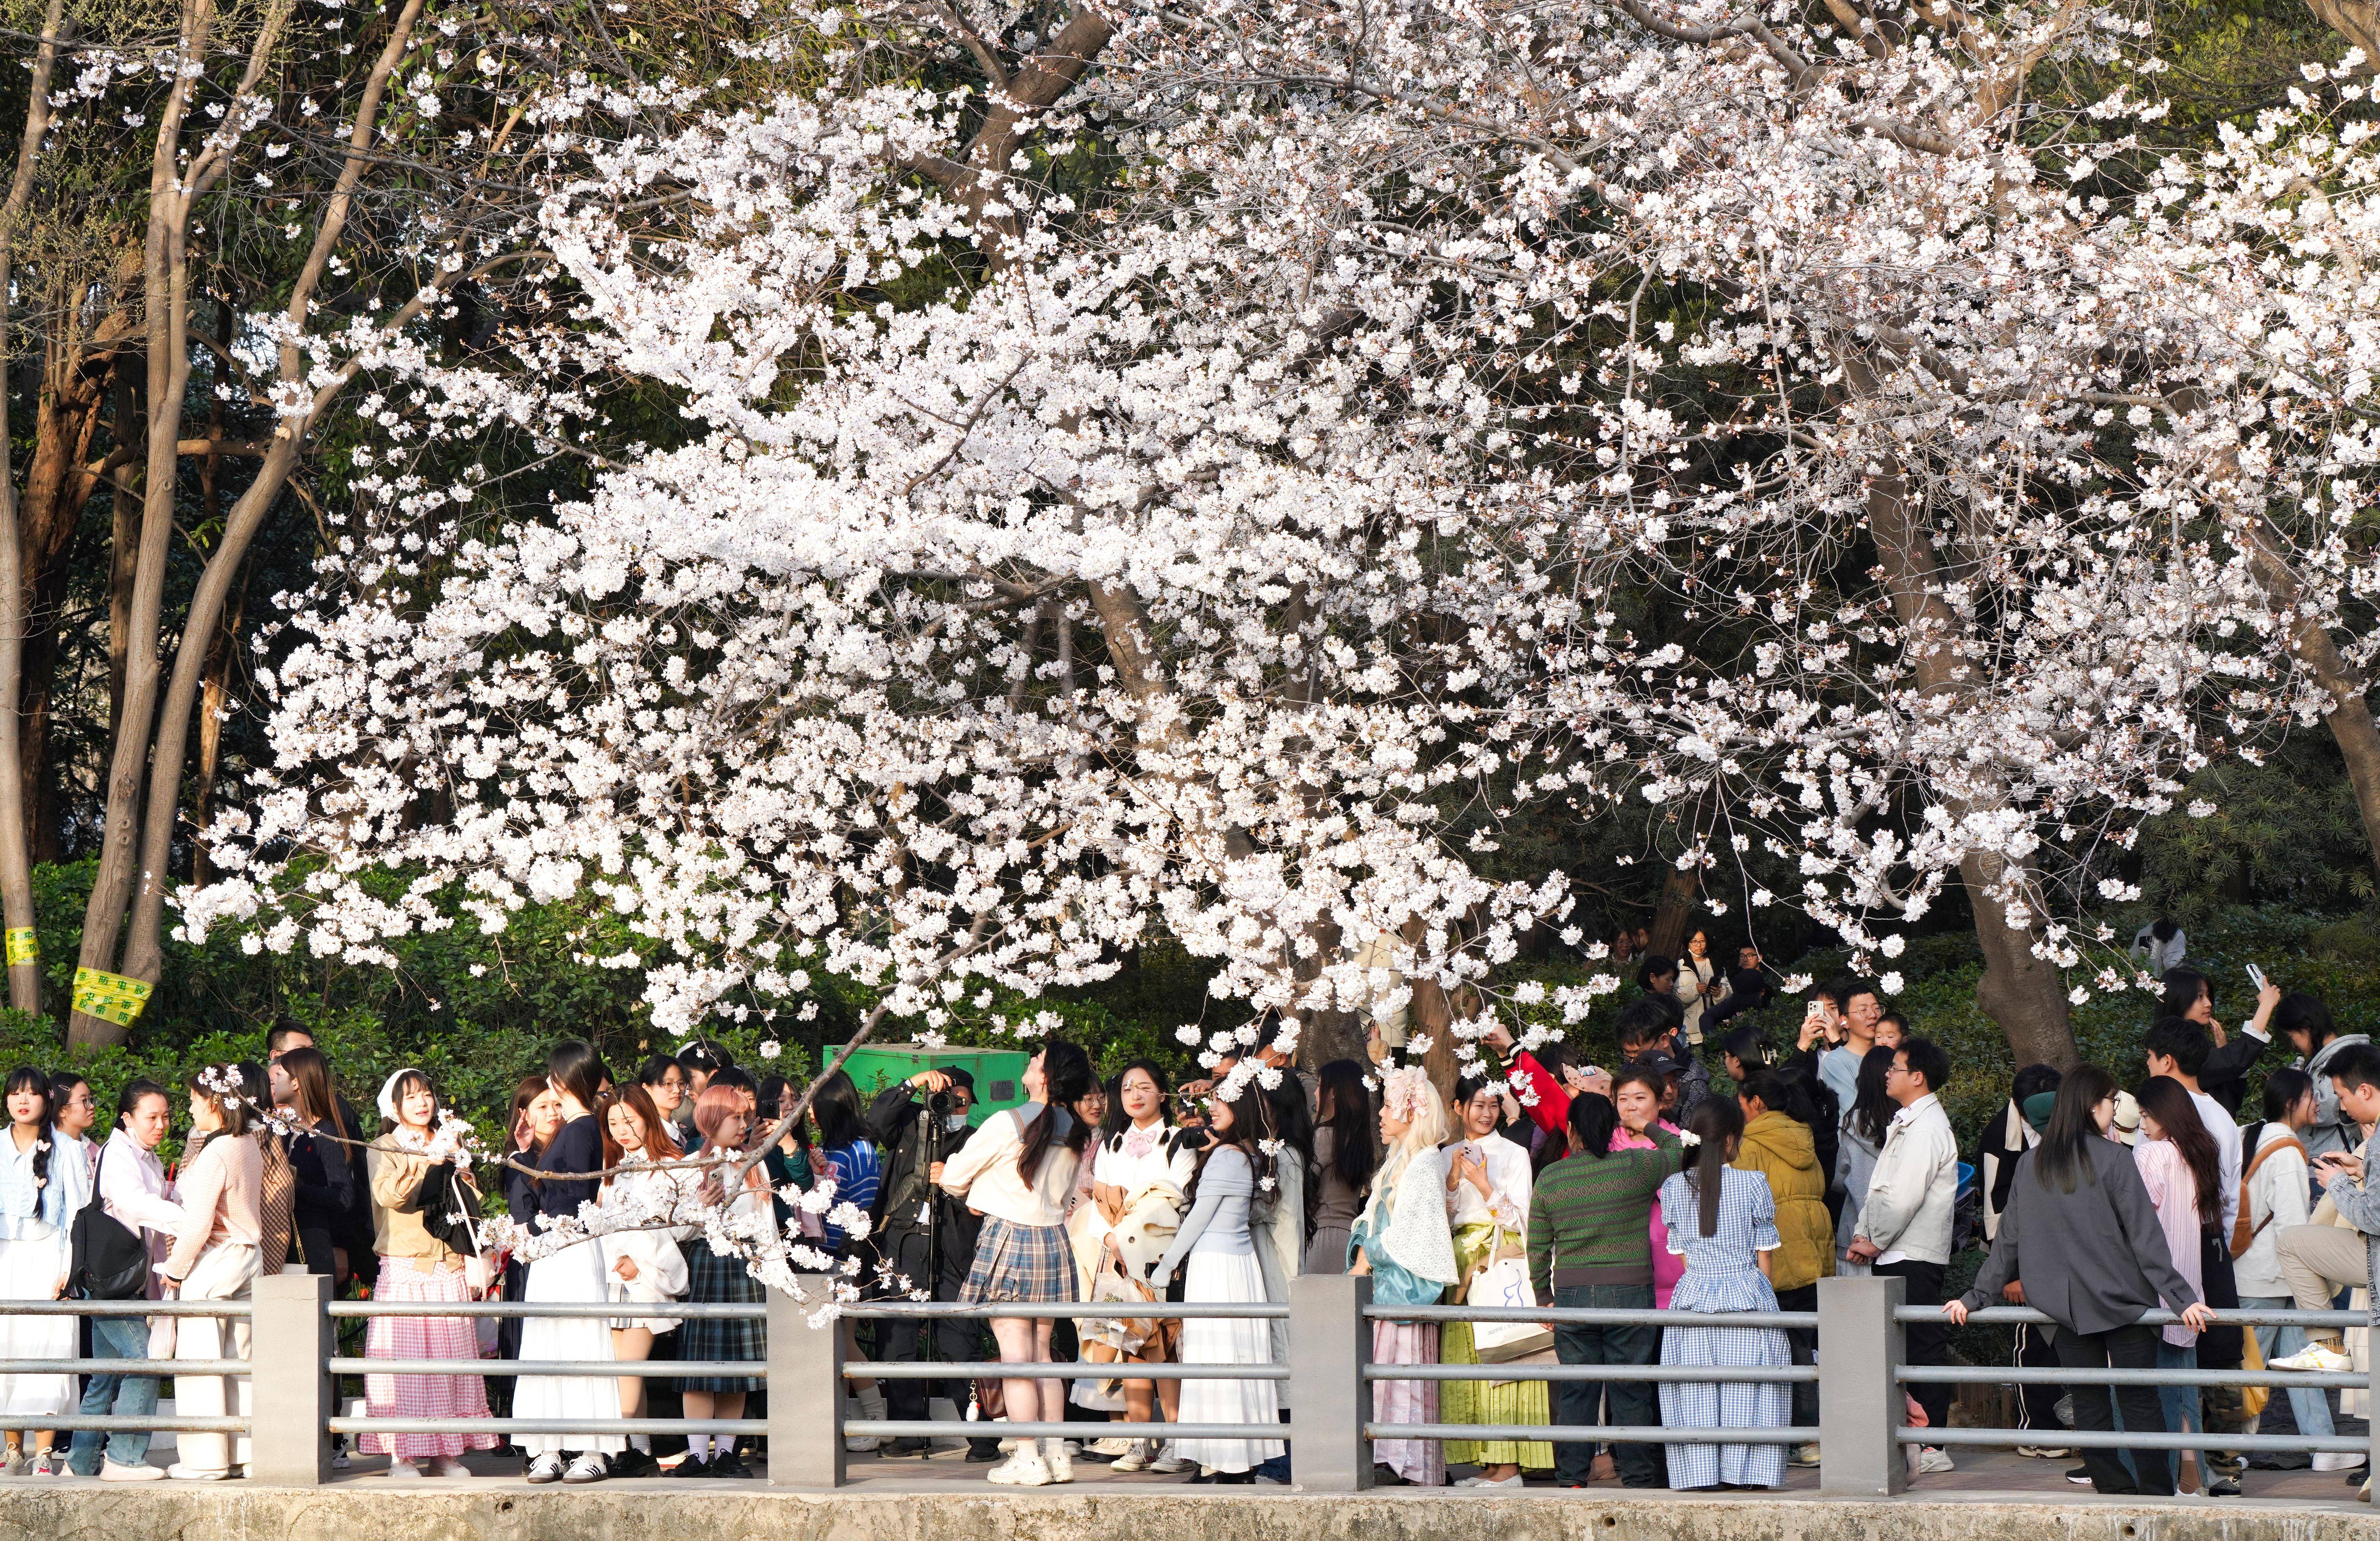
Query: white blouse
point(1169, 1158)
point(984, 1171)
point(1507, 1173)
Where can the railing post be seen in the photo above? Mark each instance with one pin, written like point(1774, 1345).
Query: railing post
point(289, 1342)
point(2371, 1349)
point(1330, 1344)
point(805, 1396)
point(1860, 1396)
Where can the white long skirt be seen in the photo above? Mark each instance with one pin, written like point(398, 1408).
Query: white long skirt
point(225, 1272)
point(30, 1268)
point(571, 1277)
point(1221, 1277)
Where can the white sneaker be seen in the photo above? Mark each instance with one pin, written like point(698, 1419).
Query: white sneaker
point(546, 1468)
point(112, 1470)
point(1113, 1447)
point(2313, 1356)
point(589, 1467)
point(340, 1458)
point(2336, 1460)
point(1805, 1455)
point(2044, 1453)
point(1021, 1470)
point(1934, 1459)
point(48, 1463)
point(448, 1466)
point(1169, 1462)
point(1059, 1456)
point(181, 1473)
point(400, 1467)
point(1513, 1481)
point(1136, 1459)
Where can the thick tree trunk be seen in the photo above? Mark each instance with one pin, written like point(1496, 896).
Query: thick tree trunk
point(1673, 914)
point(2021, 991)
point(214, 691)
point(15, 871)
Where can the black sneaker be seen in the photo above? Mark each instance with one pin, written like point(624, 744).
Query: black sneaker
point(633, 1463)
point(899, 1447)
point(690, 1467)
point(730, 1465)
point(2223, 1488)
point(981, 1452)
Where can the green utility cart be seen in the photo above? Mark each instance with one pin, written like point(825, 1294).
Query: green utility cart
point(999, 1072)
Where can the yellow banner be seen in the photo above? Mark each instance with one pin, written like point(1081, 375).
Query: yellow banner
point(24, 946)
point(110, 997)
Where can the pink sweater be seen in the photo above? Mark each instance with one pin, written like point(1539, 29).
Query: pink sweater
point(2175, 1192)
point(1668, 1267)
point(222, 1201)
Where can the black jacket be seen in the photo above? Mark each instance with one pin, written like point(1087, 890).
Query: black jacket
point(896, 1121)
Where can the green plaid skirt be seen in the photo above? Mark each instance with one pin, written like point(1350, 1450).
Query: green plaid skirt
point(716, 1281)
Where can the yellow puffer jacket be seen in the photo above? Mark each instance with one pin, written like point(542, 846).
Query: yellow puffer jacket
point(1779, 1146)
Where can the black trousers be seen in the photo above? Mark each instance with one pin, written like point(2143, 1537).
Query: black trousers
point(955, 1341)
point(2037, 1349)
point(1928, 1341)
point(1805, 1341)
point(2125, 1347)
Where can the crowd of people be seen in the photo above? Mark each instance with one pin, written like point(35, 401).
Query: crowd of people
point(1542, 1180)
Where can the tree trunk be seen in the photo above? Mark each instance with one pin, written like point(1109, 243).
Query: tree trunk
point(213, 691)
point(123, 546)
point(15, 871)
point(1673, 914)
point(2020, 992)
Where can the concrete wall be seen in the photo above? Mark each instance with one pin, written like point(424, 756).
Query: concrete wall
point(369, 1511)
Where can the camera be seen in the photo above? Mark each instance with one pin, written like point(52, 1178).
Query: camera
point(940, 1102)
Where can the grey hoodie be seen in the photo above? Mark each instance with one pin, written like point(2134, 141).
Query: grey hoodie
point(2332, 1130)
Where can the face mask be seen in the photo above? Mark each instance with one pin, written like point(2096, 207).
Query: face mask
point(954, 1122)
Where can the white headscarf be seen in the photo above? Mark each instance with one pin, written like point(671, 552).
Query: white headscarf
point(387, 1103)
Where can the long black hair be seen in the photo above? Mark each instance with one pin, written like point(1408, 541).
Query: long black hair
point(28, 1078)
point(1872, 1110)
point(1251, 1128)
point(1592, 1121)
point(1716, 1121)
point(2282, 1089)
point(1354, 1127)
point(2062, 1160)
point(2167, 1101)
point(834, 1103)
point(1778, 1094)
point(573, 1067)
point(1065, 1079)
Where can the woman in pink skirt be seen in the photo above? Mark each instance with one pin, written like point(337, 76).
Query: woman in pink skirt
point(412, 1167)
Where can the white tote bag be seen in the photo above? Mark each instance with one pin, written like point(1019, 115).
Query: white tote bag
point(1503, 1283)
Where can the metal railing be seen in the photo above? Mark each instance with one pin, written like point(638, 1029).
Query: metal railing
point(1862, 1374)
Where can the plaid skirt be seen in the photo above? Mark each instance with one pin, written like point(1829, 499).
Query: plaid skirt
point(423, 1396)
point(1029, 1264)
point(715, 1281)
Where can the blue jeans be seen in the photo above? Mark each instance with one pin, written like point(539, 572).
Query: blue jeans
point(2313, 1412)
point(1580, 1402)
point(123, 1395)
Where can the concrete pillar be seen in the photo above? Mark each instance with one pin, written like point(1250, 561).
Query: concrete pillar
point(1859, 1398)
point(805, 1391)
point(1329, 1343)
point(290, 1343)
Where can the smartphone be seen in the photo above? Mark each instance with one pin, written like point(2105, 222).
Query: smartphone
point(2256, 977)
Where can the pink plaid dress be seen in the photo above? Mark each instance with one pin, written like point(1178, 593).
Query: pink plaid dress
point(423, 1396)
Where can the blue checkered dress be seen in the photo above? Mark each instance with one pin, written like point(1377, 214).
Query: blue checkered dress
point(713, 1279)
point(1723, 1274)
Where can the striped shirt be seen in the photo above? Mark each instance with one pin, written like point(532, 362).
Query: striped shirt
point(1587, 1218)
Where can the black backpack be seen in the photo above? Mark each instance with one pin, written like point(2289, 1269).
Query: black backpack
point(109, 1261)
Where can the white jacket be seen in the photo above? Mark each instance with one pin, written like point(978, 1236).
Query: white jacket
point(659, 1262)
point(1915, 1188)
point(2279, 1196)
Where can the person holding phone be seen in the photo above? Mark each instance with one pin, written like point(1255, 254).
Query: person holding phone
point(2319, 1259)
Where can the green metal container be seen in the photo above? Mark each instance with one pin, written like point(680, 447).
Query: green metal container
point(999, 1072)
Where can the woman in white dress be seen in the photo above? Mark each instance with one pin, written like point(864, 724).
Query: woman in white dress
point(573, 1276)
point(42, 1185)
point(644, 1264)
point(1215, 1241)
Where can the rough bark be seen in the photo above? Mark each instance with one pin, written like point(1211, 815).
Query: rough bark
point(2021, 990)
point(15, 868)
point(1673, 913)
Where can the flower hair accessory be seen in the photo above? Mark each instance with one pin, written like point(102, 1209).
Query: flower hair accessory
point(1688, 1138)
point(1402, 1093)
